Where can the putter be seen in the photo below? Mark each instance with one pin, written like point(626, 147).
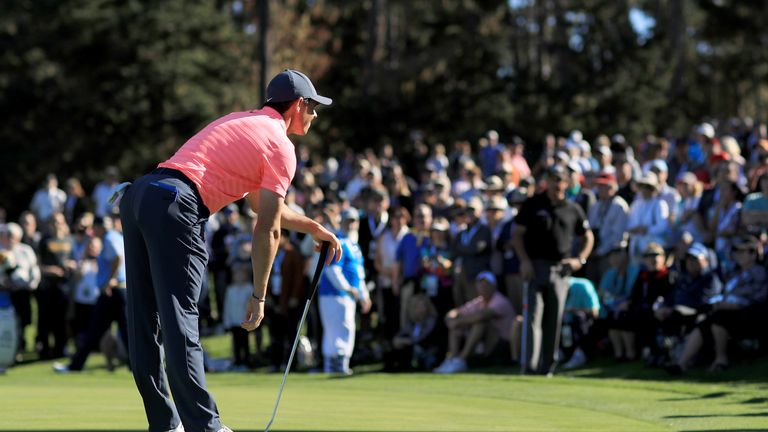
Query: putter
point(524, 333)
point(315, 282)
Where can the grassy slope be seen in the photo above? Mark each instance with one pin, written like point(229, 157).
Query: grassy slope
point(606, 397)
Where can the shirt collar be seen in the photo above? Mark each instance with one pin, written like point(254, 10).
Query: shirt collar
point(273, 114)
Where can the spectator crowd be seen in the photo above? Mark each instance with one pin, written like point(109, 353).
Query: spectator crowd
point(665, 263)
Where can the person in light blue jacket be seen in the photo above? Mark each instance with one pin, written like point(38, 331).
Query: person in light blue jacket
point(342, 284)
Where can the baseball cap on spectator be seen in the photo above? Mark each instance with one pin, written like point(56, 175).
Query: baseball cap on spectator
point(706, 129)
point(443, 182)
point(649, 179)
point(474, 203)
point(687, 178)
point(350, 214)
point(526, 182)
point(653, 249)
point(698, 250)
point(658, 165)
point(618, 139)
point(605, 178)
point(719, 157)
point(603, 150)
point(562, 156)
point(573, 166)
point(440, 224)
point(486, 276)
point(497, 203)
point(518, 196)
point(494, 184)
point(557, 172)
point(290, 85)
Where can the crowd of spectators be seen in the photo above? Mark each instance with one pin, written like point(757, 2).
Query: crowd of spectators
point(676, 276)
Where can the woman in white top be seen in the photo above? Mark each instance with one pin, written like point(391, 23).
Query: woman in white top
point(685, 220)
point(724, 222)
point(388, 305)
point(87, 291)
point(648, 217)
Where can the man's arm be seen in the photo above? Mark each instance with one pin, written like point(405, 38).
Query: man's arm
point(587, 241)
point(526, 268)
point(292, 221)
point(266, 239)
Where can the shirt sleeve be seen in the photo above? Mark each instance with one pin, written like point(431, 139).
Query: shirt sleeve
point(279, 169)
point(524, 216)
point(582, 224)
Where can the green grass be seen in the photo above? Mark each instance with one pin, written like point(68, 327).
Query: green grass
point(601, 398)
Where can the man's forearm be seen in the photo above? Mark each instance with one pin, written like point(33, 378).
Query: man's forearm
point(293, 221)
point(517, 244)
point(265, 244)
point(589, 241)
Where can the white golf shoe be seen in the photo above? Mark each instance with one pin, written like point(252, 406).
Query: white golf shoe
point(577, 360)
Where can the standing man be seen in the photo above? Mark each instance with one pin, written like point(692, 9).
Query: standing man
point(340, 287)
point(608, 221)
point(110, 306)
point(241, 154)
point(544, 238)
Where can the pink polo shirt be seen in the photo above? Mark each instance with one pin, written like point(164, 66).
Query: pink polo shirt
point(505, 313)
point(236, 154)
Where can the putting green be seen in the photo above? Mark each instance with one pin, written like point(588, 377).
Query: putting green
point(33, 398)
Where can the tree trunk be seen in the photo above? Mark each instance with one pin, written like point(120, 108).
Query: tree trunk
point(263, 47)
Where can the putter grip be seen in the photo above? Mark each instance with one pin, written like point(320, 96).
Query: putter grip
point(319, 269)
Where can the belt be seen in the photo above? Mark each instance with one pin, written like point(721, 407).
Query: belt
point(170, 172)
point(175, 174)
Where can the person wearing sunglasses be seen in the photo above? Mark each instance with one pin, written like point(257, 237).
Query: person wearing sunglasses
point(240, 155)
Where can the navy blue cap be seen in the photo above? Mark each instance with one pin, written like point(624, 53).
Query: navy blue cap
point(290, 85)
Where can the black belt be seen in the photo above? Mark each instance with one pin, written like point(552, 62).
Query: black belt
point(177, 175)
point(170, 172)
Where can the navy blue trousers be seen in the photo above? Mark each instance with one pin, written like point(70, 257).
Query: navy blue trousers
point(163, 224)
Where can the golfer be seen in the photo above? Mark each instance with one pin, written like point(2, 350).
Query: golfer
point(243, 154)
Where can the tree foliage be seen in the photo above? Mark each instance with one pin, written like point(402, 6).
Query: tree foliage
point(87, 83)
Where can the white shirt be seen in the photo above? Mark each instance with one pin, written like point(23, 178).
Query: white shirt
point(235, 304)
point(101, 194)
point(45, 202)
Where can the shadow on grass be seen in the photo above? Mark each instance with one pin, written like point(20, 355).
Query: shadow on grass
point(714, 395)
point(759, 414)
point(751, 371)
point(757, 400)
point(723, 430)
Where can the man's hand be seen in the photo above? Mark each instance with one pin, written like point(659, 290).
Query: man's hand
point(321, 234)
point(526, 270)
point(254, 314)
point(663, 313)
point(112, 283)
point(366, 305)
point(573, 263)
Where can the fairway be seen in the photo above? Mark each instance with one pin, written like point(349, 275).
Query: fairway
point(35, 399)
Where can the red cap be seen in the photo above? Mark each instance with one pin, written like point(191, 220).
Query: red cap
point(719, 157)
point(605, 178)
